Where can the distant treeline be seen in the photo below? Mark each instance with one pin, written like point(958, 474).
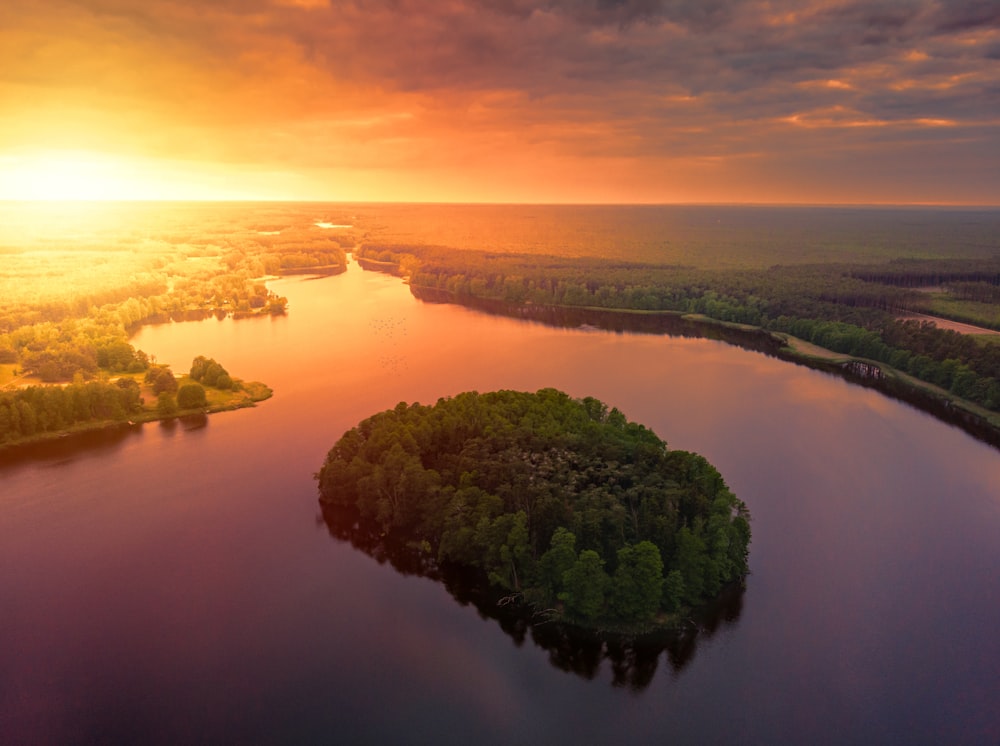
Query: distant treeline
point(922, 273)
point(560, 500)
point(845, 308)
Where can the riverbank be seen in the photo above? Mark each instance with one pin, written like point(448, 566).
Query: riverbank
point(243, 395)
point(979, 422)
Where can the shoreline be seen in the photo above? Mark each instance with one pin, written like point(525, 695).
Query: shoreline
point(255, 392)
point(978, 422)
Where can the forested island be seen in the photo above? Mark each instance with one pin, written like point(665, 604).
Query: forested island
point(561, 504)
point(857, 319)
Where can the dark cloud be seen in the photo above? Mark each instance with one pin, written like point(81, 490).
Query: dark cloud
point(963, 15)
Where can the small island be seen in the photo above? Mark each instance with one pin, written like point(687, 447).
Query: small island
point(559, 503)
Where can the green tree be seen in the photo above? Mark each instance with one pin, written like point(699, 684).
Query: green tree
point(556, 562)
point(638, 582)
point(691, 560)
point(166, 404)
point(585, 586)
point(673, 590)
point(191, 396)
point(129, 394)
point(161, 380)
point(507, 553)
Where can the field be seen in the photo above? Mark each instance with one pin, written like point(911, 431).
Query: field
point(974, 312)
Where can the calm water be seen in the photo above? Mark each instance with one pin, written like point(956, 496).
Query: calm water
point(177, 584)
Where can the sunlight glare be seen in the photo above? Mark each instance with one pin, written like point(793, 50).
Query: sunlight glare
point(77, 175)
point(67, 175)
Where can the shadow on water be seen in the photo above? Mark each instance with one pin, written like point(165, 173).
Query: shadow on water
point(620, 322)
point(102, 441)
point(183, 424)
point(66, 448)
point(633, 659)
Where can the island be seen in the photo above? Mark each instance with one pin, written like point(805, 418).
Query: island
point(562, 505)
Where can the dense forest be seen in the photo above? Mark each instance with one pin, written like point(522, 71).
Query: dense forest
point(562, 502)
point(850, 309)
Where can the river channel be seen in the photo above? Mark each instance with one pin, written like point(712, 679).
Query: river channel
point(177, 583)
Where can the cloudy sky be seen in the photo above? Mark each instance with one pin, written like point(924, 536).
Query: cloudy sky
point(822, 101)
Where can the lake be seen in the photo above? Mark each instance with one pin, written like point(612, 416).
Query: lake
point(177, 583)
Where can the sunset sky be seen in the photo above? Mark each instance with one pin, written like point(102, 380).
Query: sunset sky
point(816, 101)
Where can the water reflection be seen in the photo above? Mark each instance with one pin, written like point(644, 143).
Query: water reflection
point(184, 423)
point(633, 660)
point(757, 340)
point(64, 449)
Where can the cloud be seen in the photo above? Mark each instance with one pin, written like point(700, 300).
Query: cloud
point(961, 15)
point(384, 84)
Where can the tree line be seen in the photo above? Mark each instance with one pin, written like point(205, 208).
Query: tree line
point(34, 410)
point(845, 308)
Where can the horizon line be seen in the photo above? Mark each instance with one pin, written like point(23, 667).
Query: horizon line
point(241, 200)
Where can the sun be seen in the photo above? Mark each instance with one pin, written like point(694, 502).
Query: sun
point(78, 175)
point(66, 175)
point(81, 175)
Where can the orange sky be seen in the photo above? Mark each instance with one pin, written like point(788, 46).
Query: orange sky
point(506, 101)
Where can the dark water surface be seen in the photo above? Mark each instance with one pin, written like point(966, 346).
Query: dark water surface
point(177, 584)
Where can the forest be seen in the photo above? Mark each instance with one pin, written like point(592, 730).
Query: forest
point(561, 503)
point(849, 309)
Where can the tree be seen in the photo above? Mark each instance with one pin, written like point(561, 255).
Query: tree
point(207, 371)
point(673, 590)
point(166, 404)
point(191, 396)
point(162, 379)
point(638, 582)
point(585, 584)
point(557, 561)
point(691, 560)
point(129, 394)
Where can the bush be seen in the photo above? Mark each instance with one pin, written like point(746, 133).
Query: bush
point(166, 405)
point(191, 396)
